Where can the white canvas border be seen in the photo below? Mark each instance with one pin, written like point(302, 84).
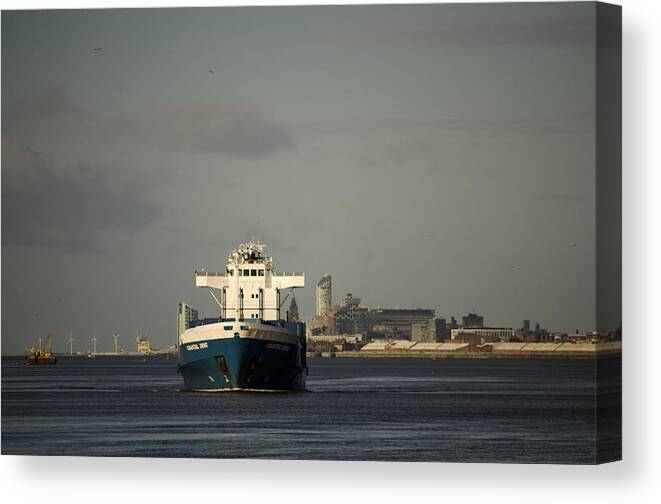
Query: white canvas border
point(78, 479)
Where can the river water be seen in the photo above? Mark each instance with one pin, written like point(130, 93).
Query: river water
point(454, 410)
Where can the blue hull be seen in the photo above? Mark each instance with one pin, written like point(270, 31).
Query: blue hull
point(242, 364)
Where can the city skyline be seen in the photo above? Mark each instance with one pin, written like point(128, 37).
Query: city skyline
point(435, 156)
point(86, 345)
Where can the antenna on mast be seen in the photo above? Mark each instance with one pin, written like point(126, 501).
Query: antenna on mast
point(94, 342)
point(116, 336)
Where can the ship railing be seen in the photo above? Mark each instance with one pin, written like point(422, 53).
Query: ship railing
point(209, 273)
point(218, 273)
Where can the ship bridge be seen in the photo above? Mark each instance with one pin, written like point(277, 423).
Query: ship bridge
point(249, 287)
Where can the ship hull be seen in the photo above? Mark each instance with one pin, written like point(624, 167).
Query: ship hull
point(243, 362)
point(40, 360)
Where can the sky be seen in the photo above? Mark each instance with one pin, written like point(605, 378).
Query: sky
point(437, 156)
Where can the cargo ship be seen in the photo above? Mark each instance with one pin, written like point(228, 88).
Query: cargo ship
point(41, 356)
point(248, 346)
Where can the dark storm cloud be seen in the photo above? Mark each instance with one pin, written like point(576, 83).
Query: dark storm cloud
point(53, 103)
point(216, 129)
point(73, 206)
point(212, 128)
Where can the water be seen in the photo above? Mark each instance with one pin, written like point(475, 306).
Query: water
point(528, 411)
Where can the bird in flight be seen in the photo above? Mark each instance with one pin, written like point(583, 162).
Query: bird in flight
point(211, 71)
point(97, 49)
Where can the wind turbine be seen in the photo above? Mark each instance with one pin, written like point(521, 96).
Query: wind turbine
point(71, 342)
point(116, 336)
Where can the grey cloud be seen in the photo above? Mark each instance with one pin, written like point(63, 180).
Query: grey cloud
point(571, 122)
point(73, 206)
point(421, 145)
point(581, 120)
point(460, 25)
point(211, 128)
point(234, 131)
point(564, 198)
point(564, 31)
point(53, 103)
point(472, 25)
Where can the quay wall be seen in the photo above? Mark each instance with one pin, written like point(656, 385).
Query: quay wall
point(495, 351)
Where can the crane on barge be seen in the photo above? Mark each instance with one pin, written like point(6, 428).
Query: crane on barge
point(42, 355)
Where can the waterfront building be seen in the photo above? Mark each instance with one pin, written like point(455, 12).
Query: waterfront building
point(397, 323)
point(336, 338)
point(472, 320)
point(324, 297)
point(432, 331)
point(334, 342)
point(321, 325)
point(186, 315)
point(349, 316)
point(484, 334)
point(451, 325)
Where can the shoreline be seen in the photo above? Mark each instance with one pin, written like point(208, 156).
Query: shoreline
point(393, 354)
point(467, 355)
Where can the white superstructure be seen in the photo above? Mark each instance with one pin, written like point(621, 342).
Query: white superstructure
point(249, 288)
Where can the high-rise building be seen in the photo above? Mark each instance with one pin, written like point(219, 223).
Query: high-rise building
point(348, 300)
point(526, 327)
point(185, 315)
point(472, 320)
point(323, 296)
point(349, 317)
point(292, 313)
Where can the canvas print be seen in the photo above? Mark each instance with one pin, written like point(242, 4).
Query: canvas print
point(385, 232)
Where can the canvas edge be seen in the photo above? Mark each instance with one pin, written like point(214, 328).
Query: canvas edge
point(608, 172)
